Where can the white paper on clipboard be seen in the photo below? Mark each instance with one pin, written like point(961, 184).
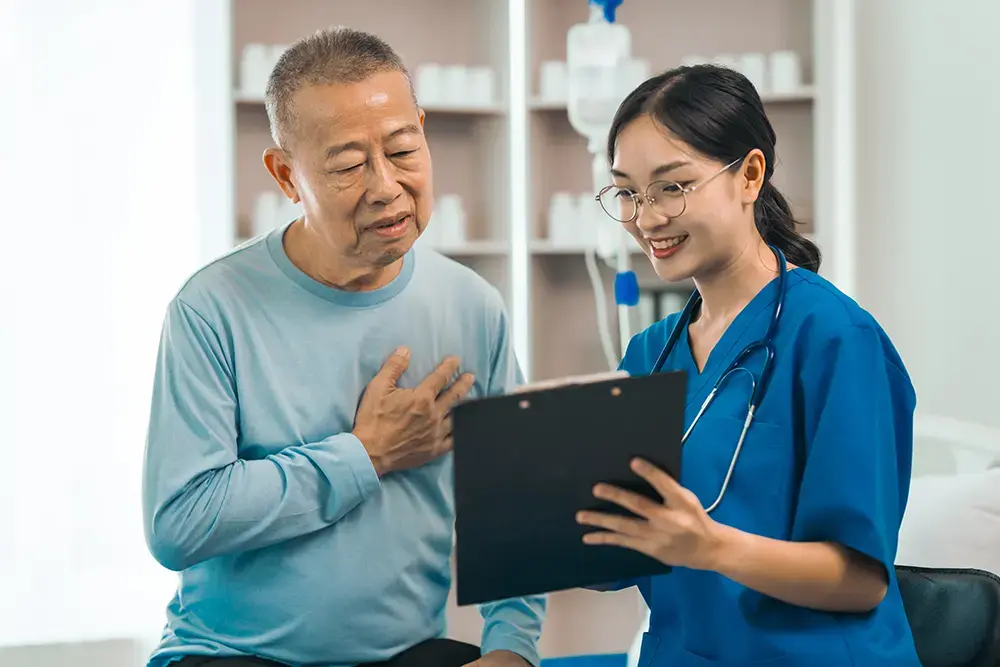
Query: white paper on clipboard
point(570, 380)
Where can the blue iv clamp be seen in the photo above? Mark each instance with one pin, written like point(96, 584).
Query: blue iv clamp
point(608, 7)
point(626, 288)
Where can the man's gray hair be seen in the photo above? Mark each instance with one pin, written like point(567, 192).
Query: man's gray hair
point(331, 56)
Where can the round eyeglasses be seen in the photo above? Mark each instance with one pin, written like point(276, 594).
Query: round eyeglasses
point(666, 198)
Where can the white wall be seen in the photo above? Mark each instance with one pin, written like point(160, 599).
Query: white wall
point(928, 107)
point(101, 223)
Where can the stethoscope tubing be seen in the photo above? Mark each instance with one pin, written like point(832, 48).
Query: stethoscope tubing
point(758, 387)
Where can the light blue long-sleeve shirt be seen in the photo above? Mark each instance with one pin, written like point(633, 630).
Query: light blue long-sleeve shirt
point(289, 545)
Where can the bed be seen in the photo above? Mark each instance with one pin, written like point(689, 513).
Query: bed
point(952, 517)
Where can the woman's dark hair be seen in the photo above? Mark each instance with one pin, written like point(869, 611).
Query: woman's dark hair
point(718, 112)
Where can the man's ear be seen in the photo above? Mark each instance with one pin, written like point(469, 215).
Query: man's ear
point(422, 115)
point(279, 166)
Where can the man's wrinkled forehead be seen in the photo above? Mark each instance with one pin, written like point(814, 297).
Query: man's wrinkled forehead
point(373, 108)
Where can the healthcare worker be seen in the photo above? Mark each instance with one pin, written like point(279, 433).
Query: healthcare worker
point(782, 529)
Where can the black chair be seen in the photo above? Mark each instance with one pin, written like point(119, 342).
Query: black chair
point(954, 615)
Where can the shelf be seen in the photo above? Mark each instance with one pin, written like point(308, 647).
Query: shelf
point(486, 248)
point(492, 110)
point(802, 95)
point(543, 248)
point(538, 104)
point(253, 100)
point(648, 280)
point(248, 98)
point(470, 249)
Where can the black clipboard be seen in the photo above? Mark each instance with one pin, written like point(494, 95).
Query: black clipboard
point(524, 464)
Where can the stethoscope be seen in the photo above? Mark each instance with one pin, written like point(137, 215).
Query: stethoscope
point(758, 386)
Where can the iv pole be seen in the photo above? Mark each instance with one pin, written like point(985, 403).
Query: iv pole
point(626, 286)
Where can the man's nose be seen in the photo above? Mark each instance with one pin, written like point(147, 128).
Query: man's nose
point(382, 186)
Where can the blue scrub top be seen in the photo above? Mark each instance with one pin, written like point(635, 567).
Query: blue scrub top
point(827, 458)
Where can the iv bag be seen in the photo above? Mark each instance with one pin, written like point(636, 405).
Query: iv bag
point(594, 51)
point(601, 73)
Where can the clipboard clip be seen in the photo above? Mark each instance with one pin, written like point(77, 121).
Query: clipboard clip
point(570, 381)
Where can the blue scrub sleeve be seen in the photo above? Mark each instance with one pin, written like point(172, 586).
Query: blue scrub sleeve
point(511, 625)
point(200, 500)
point(858, 405)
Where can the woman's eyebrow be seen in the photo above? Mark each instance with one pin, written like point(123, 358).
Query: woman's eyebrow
point(662, 170)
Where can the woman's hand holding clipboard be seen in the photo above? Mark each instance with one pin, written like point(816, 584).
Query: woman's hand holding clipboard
point(526, 463)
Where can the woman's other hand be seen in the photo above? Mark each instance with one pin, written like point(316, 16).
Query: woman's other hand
point(677, 531)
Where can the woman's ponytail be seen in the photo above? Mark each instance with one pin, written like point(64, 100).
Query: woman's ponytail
point(776, 225)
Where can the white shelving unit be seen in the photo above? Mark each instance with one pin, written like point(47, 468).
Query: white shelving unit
point(507, 159)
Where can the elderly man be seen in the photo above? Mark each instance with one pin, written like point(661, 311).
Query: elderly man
point(297, 471)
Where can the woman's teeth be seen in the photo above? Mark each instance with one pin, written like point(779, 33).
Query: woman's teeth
point(666, 244)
